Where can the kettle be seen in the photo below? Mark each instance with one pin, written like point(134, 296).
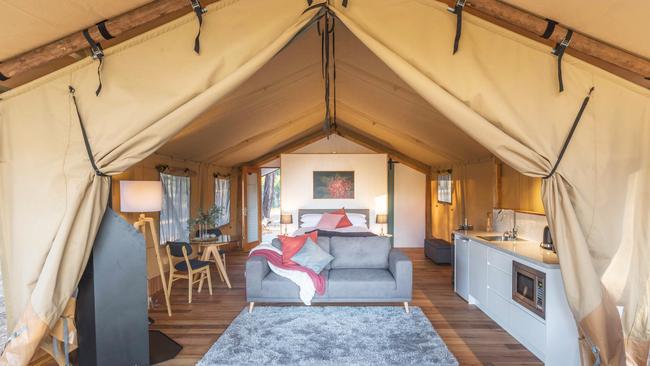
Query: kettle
point(547, 242)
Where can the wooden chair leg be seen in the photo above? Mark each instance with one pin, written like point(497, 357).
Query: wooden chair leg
point(207, 272)
point(201, 282)
point(219, 272)
point(224, 261)
point(190, 276)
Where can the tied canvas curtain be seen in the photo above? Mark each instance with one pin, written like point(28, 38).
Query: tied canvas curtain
point(501, 89)
point(222, 199)
point(153, 86)
point(175, 212)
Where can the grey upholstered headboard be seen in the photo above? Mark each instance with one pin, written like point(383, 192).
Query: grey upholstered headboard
point(363, 211)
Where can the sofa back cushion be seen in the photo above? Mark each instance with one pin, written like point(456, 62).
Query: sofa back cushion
point(365, 252)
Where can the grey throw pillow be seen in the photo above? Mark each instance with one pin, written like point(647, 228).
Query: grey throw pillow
point(312, 257)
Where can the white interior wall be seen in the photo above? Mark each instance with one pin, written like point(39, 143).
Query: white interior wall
point(370, 182)
point(409, 209)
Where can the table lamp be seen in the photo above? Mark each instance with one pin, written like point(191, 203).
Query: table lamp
point(286, 219)
point(145, 196)
point(381, 219)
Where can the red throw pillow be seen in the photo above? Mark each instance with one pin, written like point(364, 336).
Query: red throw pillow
point(345, 220)
point(329, 221)
point(292, 245)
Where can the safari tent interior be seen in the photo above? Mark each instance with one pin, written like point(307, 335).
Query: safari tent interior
point(363, 182)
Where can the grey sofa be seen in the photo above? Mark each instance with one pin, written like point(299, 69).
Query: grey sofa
point(364, 269)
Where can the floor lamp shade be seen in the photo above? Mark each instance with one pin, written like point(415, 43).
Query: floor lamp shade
point(140, 196)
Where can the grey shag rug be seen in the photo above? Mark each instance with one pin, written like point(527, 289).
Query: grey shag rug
point(329, 335)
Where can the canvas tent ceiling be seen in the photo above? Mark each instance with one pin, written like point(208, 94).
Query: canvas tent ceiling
point(283, 102)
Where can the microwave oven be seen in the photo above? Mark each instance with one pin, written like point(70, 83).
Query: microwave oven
point(529, 288)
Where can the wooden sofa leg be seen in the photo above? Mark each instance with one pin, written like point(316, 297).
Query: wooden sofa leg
point(251, 306)
point(406, 306)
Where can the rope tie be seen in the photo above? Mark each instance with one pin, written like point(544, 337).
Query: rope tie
point(199, 11)
point(570, 135)
point(97, 54)
point(85, 136)
point(458, 10)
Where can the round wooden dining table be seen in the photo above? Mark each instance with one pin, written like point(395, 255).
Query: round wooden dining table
point(210, 251)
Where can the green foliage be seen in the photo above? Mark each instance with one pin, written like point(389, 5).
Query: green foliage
point(208, 218)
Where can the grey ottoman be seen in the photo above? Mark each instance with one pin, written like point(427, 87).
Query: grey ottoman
point(439, 251)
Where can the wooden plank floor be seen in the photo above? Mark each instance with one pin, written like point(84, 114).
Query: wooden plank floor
point(470, 335)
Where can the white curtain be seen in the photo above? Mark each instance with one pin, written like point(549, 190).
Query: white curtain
point(175, 211)
point(222, 199)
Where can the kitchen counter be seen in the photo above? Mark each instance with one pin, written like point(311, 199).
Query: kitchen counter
point(524, 249)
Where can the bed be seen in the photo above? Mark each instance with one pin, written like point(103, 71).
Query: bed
point(359, 228)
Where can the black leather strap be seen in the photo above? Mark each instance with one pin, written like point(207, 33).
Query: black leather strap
point(85, 136)
point(558, 51)
point(570, 135)
point(97, 54)
point(199, 11)
point(101, 26)
point(2, 77)
point(550, 27)
point(458, 10)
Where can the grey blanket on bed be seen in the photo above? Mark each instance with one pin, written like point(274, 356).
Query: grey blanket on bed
point(329, 234)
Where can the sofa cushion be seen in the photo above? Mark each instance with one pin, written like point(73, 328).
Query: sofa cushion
point(278, 287)
point(312, 256)
point(292, 244)
point(323, 242)
point(361, 283)
point(364, 252)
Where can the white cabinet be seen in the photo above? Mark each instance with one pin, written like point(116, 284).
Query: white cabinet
point(461, 267)
point(478, 274)
point(483, 276)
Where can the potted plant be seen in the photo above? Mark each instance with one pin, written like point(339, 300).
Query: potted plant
point(204, 221)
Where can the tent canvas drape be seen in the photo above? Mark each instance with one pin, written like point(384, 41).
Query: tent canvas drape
point(154, 85)
point(501, 89)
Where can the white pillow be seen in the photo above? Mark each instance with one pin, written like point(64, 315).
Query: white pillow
point(310, 220)
point(357, 219)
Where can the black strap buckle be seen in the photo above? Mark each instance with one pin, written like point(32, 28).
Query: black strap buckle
point(562, 45)
point(459, 4)
point(196, 6)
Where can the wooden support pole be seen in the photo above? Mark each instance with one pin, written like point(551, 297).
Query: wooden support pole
point(602, 54)
point(531, 23)
point(76, 41)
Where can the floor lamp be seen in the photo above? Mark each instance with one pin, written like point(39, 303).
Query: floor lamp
point(146, 196)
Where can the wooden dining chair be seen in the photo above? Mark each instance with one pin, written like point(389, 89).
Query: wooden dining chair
point(188, 268)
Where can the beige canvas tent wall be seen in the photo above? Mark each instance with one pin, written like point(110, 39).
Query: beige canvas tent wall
point(500, 89)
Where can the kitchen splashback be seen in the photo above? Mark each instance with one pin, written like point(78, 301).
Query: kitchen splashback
point(531, 226)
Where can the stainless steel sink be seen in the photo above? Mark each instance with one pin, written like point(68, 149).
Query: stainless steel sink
point(495, 238)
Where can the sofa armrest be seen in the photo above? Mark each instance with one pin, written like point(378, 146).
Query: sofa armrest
point(402, 269)
point(256, 269)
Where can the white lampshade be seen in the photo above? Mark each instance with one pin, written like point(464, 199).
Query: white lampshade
point(140, 196)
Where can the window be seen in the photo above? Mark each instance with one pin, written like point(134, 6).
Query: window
point(175, 211)
point(444, 188)
point(222, 199)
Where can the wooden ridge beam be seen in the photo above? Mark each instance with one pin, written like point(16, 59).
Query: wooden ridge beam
point(523, 21)
point(74, 42)
point(379, 146)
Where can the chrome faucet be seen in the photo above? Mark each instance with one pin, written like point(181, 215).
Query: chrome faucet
point(514, 231)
